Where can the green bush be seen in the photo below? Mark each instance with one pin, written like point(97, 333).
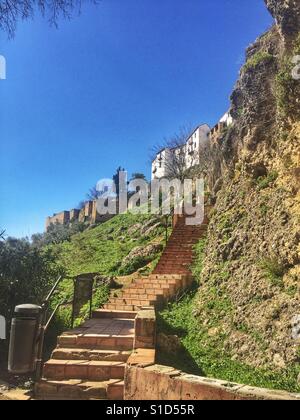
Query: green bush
point(26, 274)
point(57, 233)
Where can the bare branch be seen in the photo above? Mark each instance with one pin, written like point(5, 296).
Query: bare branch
point(11, 11)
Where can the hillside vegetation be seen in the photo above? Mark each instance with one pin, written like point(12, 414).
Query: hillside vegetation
point(113, 248)
point(241, 323)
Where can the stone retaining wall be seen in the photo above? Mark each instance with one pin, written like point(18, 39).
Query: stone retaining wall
point(156, 382)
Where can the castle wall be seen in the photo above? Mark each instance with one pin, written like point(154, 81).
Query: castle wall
point(62, 218)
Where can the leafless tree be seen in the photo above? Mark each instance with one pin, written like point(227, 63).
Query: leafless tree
point(2, 232)
point(11, 11)
point(93, 194)
point(174, 160)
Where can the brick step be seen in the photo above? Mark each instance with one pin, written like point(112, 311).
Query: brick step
point(138, 302)
point(176, 259)
point(83, 369)
point(115, 307)
point(177, 252)
point(163, 271)
point(91, 355)
point(186, 243)
point(176, 255)
point(182, 222)
point(146, 297)
point(96, 342)
point(165, 277)
point(158, 281)
point(173, 265)
point(73, 389)
point(103, 313)
point(179, 246)
point(186, 236)
point(148, 291)
point(184, 230)
point(171, 288)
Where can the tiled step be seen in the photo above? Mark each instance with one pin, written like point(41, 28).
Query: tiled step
point(153, 297)
point(147, 291)
point(166, 277)
point(167, 289)
point(134, 302)
point(115, 307)
point(74, 389)
point(173, 267)
point(167, 281)
point(103, 313)
point(164, 271)
point(174, 257)
point(96, 342)
point(91, 354)
point(84, 370)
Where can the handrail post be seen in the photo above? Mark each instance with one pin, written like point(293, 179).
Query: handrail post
point(42, 330)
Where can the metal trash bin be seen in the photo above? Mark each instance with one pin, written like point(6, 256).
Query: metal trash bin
point(24, 339)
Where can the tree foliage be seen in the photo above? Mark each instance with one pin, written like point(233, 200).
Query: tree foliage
point(26, 273)
point(57, 233)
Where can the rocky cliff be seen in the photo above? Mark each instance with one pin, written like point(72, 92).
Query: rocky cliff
point(249, 293)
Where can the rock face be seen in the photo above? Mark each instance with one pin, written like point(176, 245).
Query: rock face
point(252, 265)
point(286, 14)
point(142, 252)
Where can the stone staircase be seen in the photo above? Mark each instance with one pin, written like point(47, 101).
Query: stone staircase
point(178, 254)
point(89, 362)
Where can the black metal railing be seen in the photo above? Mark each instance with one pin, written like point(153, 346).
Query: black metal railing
point(45, 320)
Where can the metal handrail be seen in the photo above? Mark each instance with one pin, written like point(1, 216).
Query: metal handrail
point(45, 323)
point(52, 291)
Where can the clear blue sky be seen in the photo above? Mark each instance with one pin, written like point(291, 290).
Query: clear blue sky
point(103, 88)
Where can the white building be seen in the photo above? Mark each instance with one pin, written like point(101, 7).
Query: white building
point(191, 149)
point(227, 119)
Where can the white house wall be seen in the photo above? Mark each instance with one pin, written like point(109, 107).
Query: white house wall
point(192, 150)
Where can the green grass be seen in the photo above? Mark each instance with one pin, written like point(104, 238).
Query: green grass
point(205, 355)
point(99, 250)
point(203, 346)
point(103, 248)
point(264, 182)
point(274, 271)
point(258, 58)
point(199, 254)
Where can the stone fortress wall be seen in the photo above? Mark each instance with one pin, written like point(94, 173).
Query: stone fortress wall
point(88, 214)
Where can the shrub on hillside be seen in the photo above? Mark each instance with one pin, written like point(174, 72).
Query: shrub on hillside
point(26, 273)
point(57, 233)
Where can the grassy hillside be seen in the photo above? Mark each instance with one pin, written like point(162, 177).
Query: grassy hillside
point(103, 248)
point(201, 349)
point(125, 244)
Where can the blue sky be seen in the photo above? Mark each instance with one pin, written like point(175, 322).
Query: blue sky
point(103, 88)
